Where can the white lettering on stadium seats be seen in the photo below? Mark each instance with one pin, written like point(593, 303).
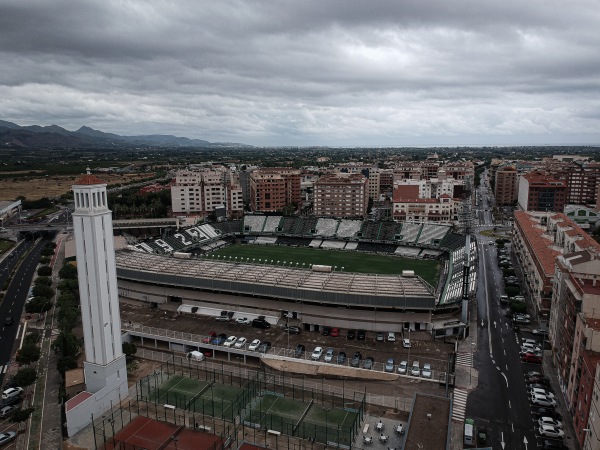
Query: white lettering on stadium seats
point(164, 245)
point(182, 238)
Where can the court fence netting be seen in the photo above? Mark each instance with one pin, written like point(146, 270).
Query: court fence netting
point(252, 406)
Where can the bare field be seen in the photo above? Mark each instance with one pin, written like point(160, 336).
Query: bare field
point(33, 188)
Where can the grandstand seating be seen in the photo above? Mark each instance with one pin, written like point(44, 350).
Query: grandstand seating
point(333, 244)
point(315, 243)
point(348, 228)
point(410, 232)
point(432, 233)
point(271, 224)
point(230, 226)
point(288, 225)
point(326, 227)
point(293, 241)
point(376, 247)
point(254, 223)
point(370, 230)
point(389, 230)
point(305, 226)
point(208, 230)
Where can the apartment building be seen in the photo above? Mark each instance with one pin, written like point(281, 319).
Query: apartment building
point(542, 191)
point(408, 207)
point(583, 181)
point(341, 195)
point(272, 189)
point(425, 170)
point(202, 191)
point(432, 188)
point(505, 188)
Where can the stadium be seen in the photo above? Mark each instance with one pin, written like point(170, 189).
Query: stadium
point(313, 272)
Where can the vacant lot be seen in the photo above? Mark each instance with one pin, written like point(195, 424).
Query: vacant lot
point(33, 188)
point(350, 261)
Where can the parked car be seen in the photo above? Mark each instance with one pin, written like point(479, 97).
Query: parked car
point(389, 365)
point(551, 432)
point(547, 412)
point(219, 340)
point(299, 350)
point(415, 370)
point(8, 321)
point(326, 331)
point(292, 330)
point(230, 341)
point(258, 323)
point(222, 318)
point(426, 371)
point(254, 345)
point(351, 334)
point(406, 343)
point(7, 411)
point(541, 381)
point(380, 337)
point(341, 357)
point(317, 353)
point(531, 358)
point(6, 437)
point(355, 362)
point(361, 334)
point(368, 362)
point(391, 337)
point(402, 367)
point(240, 343)
point(541, 392)
point(542, 400)
point(538, 331)
point(553, 445)
point(335, 332)
point(264, 347)
point(12, 392)
point(207, 339)
point(329, 355)
point(243, 321)
point(550, 421)
point(521, 320)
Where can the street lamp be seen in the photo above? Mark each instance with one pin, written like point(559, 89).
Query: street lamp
point(472, 358)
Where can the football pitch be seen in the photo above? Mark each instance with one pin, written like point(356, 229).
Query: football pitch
point(350, 261)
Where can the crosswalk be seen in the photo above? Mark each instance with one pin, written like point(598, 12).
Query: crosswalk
point(459, 405)
point(4, 368)
point(465, 359)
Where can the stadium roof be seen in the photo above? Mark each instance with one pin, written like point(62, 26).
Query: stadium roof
point(392, 291)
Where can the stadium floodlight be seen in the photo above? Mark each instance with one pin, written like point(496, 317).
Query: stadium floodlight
point(342, 268)
point(277, 261)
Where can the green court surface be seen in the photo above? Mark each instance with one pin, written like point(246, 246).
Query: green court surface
point(351, 261)
point(217, 401)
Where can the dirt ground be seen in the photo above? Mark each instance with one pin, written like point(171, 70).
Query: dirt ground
point(34, 188)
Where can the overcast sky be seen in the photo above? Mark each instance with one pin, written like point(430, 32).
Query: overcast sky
point(338, 73)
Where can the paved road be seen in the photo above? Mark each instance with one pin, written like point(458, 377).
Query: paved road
point(15, 296)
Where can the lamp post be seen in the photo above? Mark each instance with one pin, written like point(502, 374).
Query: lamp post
point(472, 358)
point(409, 346)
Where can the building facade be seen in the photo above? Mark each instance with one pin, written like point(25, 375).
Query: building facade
point(341, 195)
point(541, 191)
point(505, 188)
point(273, 189)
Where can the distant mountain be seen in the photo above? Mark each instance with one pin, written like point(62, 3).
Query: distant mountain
point(13, 135)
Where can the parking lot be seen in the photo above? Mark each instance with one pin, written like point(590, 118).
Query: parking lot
point(422, 347)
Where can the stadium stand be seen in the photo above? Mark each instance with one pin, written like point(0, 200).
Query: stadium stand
point(254, 223)
point(351, 245)
point(410, 232)
point(375, 247)
point(370, 230)
point(315, 243)
point(272, 224)
point(293, 241)
point(432, 233)
point(411, 252)
point(209, 231)
point(266, 240)
point(348, 228)
point(338, 245)
point(306, 226)
point(228, 227)
point(288, 226)
point(389, 230)
point(326, 227)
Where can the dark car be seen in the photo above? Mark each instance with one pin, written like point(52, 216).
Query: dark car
point(299, 351)
point(209, 338)
point(547, 412)
point(258, 323)
point(326, 331)
point(292, 330)
point(218, 340)
point(531, 358)
point(351, 334)
point(540, 386)
point(543, 381)
point(368, 363)
point(341, 357)
point(360, 335)
point(549, 444)
point(264, 347)
point(355, 362)
point(8, 321)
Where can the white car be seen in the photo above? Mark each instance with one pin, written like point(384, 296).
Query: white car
point(551, 432)
point(550, 421)
point(11, 393)
point(541, 392)
point(243, 320)
point(542, 400)
point(426, 371)
point(406, 343)
point(230, 341)
point(391, 337)
point(316, 354)
point(415, 370)
point(254, 345)
point(240, 342)
point(402, 367)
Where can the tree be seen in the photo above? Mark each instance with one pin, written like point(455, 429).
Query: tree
point(65, 363)
point(68, 272)
point(66, 344)
point(512, 291)
point(68, 318)
point(29, 353)
point(42, 291)
point(44, 271)
point(21, 415)
point(43, 281)
point(129, 349)
point(518, 307)
point(47, 252)
point(25, 376)
point(38, 305)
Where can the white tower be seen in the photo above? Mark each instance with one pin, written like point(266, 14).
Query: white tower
point(104, 364)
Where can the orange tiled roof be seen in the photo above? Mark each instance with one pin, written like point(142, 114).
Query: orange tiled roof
point(539, 244)
point(405, 191)
point(88, 179)
point(586, 240)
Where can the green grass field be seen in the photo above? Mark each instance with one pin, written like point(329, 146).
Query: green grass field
point(350, 261)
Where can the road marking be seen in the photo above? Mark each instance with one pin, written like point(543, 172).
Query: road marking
point(464, 359)
point(459, 405)
point(505, 379)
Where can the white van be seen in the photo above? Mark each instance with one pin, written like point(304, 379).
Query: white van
point(195, 356)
